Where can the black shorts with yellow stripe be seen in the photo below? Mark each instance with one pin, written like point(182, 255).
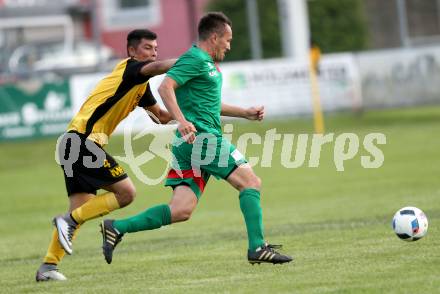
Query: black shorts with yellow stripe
point(86, 165)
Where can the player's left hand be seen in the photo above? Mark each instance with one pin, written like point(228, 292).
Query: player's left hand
point(255, 113)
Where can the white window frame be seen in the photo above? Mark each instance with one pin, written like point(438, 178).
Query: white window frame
point(114, 18)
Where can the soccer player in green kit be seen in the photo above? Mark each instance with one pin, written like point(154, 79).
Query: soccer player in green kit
point(191, 91)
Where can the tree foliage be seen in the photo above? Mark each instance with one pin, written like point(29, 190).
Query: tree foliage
point(269, 27)
point(336, 25)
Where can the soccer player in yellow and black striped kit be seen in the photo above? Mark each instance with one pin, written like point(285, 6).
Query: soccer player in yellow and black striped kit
point(86, 166)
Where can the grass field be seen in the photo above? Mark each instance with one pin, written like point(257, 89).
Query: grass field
point(335, 224)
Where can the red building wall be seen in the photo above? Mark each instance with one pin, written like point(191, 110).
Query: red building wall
point(176, 32)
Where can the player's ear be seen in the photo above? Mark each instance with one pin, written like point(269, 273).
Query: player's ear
point(214, 38)
point(131, 51)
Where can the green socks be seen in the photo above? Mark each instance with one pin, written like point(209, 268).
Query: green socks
point(150, 219)
point(160, 215)
point(253, 216)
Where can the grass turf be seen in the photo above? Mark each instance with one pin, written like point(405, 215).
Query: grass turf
point(335, 224)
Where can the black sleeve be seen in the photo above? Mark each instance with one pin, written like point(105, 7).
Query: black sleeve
point(132, 71)
point(147, 99)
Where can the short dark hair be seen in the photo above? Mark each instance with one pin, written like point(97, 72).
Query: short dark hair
point(135, 37)
point(212, 22)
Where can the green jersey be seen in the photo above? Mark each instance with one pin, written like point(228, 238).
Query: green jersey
point(199, 91)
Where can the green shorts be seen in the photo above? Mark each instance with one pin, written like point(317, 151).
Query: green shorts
point(193, 164)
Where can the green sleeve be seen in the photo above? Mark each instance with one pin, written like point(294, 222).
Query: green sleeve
point(186, 68)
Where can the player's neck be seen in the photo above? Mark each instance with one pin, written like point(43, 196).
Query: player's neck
point(206, 47)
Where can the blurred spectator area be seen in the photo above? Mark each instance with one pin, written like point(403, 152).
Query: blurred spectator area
point(67, 36)
point(70, 36)
point(58, 57)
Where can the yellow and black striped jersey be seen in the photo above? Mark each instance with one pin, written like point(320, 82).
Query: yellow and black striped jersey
point(112, 100)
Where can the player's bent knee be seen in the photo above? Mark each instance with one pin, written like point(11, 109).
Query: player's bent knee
point(126, 196)
point(185, 215)
point(181, 215)
point(253, 183)
point(130, 195)
point(257, 183)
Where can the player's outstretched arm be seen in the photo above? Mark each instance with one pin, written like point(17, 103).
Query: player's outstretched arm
point(251, 113)
point(157, 113)
point(166, 91)
point(157, 67)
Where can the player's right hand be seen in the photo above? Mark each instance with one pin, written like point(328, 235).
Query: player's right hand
point(187, 130)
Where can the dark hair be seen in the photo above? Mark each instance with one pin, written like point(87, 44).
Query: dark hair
point(135, 37)
point(212, 22)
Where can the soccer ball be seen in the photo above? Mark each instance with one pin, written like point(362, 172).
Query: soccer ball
point(410, 224)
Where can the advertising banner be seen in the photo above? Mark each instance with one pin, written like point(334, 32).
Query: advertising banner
point(284, 88)
point(400, 77)
point(34, 109)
